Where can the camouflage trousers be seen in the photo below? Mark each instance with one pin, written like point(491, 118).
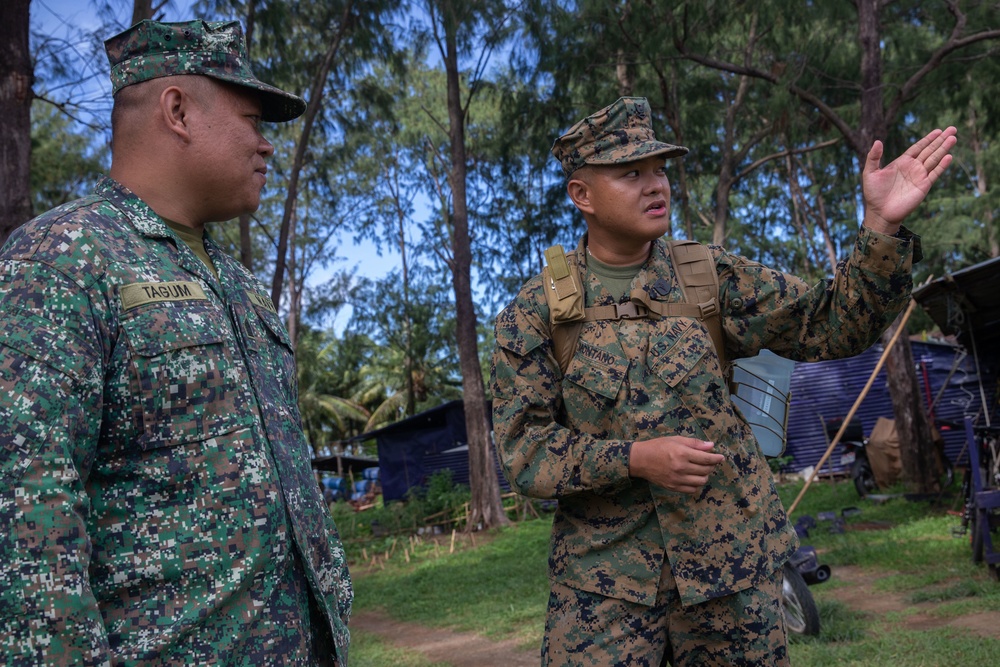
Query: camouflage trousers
point(743, 629)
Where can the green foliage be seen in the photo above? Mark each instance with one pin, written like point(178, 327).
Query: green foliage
point(440, 502)
point(779, 462)
point(327, 378)
point(441, 494)
point(413, 364)
point(377, 528)
point(65, 163)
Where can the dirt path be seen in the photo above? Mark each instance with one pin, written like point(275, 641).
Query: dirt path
point(858, 593)
point(458, 649)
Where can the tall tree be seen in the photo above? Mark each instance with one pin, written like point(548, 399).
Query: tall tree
point(245, 220)
point(336, 32)
point(413, 323)
point(16, 80)
point(448, 19)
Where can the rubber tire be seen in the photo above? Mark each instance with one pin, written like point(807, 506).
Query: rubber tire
point(797, 604)
point(864, 478)
point(948, 478)
point(978, 548)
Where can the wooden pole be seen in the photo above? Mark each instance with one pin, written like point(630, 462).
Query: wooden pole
point(857, 404)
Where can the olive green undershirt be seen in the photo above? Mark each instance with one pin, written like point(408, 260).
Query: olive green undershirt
point(195, 241)
point(616, 279)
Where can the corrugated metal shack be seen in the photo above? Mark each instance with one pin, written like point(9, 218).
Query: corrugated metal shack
point(825, 391)
point(413, 449)
point(966, 306)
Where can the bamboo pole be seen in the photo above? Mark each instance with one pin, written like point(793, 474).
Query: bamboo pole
point(857, 404)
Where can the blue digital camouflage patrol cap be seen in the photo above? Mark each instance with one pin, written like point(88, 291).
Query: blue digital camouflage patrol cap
point(150, 49)
point(618, 133)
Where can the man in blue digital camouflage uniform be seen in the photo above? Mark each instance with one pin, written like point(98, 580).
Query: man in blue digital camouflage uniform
point(669, 536)
point(157, 505)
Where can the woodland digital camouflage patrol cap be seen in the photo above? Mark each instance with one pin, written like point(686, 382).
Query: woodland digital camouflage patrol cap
point(618, 133)
point(150, 49)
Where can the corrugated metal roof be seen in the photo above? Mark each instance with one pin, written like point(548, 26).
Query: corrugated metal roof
point(964, 302)
point(826, 390)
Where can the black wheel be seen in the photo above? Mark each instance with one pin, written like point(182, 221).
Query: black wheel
point(948, 478)
point(797, 604)
point(947, 472)
point(864, 478)
point(975, 524)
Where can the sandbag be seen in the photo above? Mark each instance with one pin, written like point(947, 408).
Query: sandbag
point(883, 453)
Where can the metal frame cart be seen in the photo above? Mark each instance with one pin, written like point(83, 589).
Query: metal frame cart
point(985, 497)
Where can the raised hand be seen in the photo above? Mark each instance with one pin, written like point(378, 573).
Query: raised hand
point(894, 191)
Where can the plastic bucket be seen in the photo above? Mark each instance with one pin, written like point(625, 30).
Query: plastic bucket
point(761, 393)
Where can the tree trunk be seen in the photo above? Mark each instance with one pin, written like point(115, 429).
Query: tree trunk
point(147, 9)
point(916, 446)
point(982, 182)
point(486, 508)
point(313, 106)
point(408, 365)
point(672, 103)
point(246, 242)
point(141, 10)
point(873, 121)
point(919, 461)
point(294, 297)
point(16, 79)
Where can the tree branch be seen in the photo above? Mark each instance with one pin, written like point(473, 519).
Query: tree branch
point(804, 95)
point(791, 151)
point(937, 58)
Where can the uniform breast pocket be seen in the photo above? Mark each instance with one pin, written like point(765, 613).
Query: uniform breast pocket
point(273, 354)
point(591, 385)
point(184, 378)
point(680, 357)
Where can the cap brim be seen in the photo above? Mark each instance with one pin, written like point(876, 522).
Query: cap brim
point(276, 105)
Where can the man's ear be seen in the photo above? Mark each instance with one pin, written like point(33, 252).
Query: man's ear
point(175, 106)
point(579, 193)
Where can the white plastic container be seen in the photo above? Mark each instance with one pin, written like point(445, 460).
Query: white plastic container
point(762, 395)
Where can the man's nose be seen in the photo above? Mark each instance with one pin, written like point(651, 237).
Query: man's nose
point(266, 148)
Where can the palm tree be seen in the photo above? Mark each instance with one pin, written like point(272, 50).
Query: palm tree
point(325, 375)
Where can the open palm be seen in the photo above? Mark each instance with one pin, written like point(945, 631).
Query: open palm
point(894, 191)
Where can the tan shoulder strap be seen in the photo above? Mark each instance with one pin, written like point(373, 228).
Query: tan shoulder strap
point(563, 290)
point(563, 286)
point(564, 296)
point(695, 270)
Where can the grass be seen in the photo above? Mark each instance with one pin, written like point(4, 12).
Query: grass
point(497, 588)
point(496, 585)
point(369, 650)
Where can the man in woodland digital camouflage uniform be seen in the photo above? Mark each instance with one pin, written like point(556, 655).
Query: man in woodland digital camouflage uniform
point(157, 505)
point(669, 536)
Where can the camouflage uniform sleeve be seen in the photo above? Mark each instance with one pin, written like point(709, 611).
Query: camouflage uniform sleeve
point(540, 457)
point(50, 407)
point(830, 319)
